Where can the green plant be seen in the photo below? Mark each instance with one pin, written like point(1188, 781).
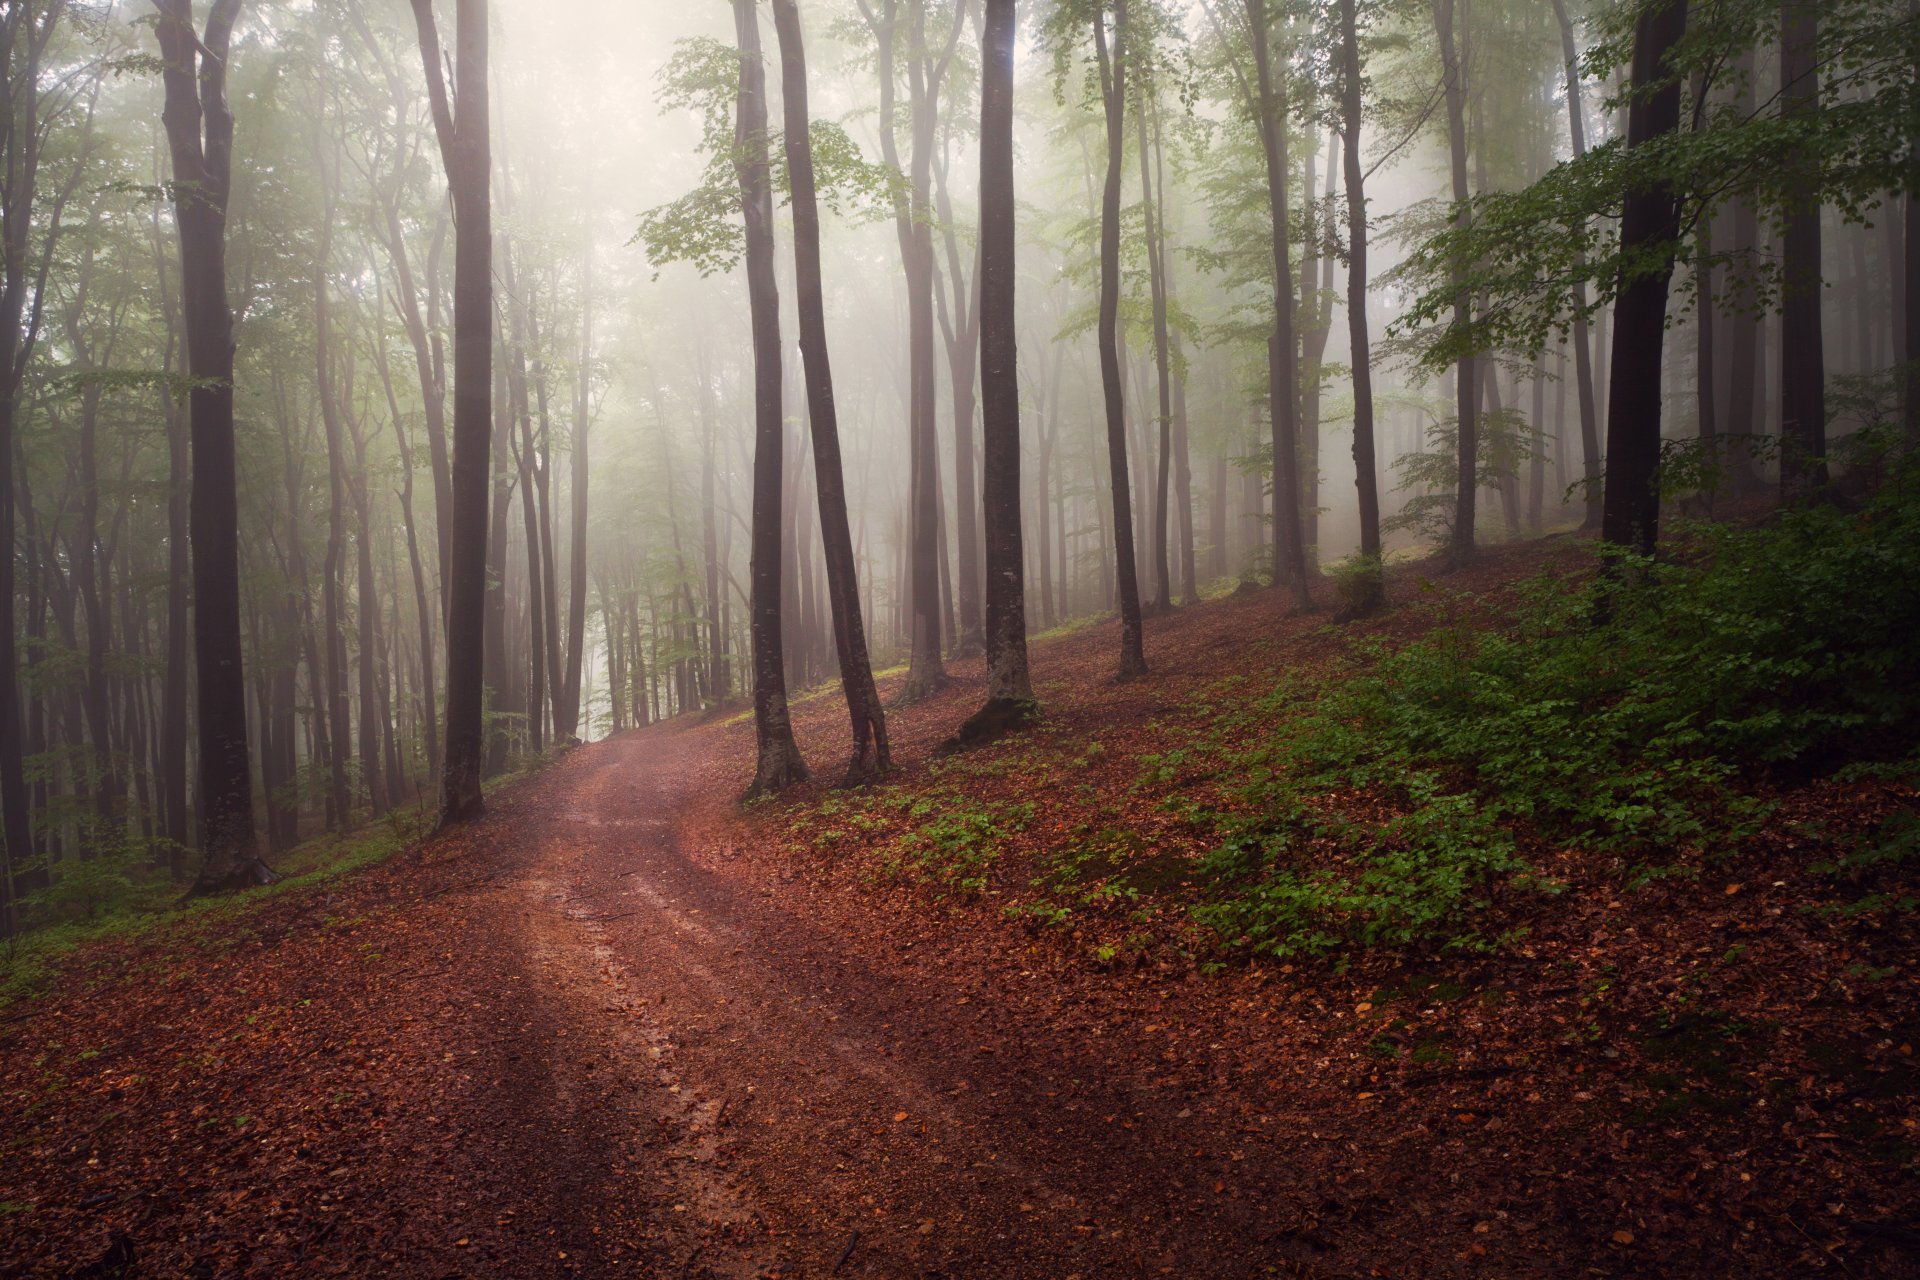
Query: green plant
point(1386, 801)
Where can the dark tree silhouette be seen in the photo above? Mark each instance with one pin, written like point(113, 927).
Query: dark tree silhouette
point(1649, 227)
point(199, 127)
point(1466, 369)
point(1365, 467)
point(779, 764)
point(466, 153)
point(871, 753)
point(1803, 366)
point(1009, 687)
point(23, 43)
point(1283, 372)
point(1113, 90)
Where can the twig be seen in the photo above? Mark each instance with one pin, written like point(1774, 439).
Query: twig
point(1838, 1260)
point(852, 1241)
point(1465, 1073)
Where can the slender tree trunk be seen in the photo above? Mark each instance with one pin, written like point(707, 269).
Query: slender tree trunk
point(871, 753)
point(1157, 289)
point(199, 128)
point(1283, 387)
point(1466, 380)
point(1009, 686)
point(1803, 367)
point(567, 708)
point(1113, 84)
point(332, 635)
point(367, 607)
point(926, 670)
point(1371, 587)
point(779, 764)
point(1649, 224)
point(465, 152)
point(1909, 284)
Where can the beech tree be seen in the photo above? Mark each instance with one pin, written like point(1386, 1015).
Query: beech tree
point(871, 754)
point(462, 128)
point(1113, 94)
point(780, 765)
point(199, 126)
point(1009, 686)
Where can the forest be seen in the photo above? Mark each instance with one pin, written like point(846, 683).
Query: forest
point(932, 638)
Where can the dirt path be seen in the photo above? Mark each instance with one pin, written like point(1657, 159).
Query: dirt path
point(806, 1102)
point(622, 1027)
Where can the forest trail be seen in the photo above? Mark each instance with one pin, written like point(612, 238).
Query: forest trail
point(810, 1102)
point(625, 1026)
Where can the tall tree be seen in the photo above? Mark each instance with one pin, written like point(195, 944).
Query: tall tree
point(462, 129)
point(24, 37)
point(566, 710)
point(1365, 467)
point(199, 126)
point(1283, 373)
point(1803, 366)
point(1466, 370)
point(1582, 341)
point(925, 70)
point(1649, 231)
point(1113, 89)
point(1009, 684)
point(779, 764)
point(1156, 246)
point(871, 752)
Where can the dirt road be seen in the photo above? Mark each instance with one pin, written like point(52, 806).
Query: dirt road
point(801, 1100)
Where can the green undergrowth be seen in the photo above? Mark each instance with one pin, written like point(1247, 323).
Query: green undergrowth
point(150, 907)
point(1636, 714)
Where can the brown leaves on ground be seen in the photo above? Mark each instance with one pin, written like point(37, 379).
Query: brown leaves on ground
point(414, 1075)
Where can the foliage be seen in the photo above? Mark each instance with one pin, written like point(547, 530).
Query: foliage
point(1384, 803)
point(1524, 252)
point(1505, 440)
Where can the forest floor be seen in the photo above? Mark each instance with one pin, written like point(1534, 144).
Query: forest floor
point(625, 1026)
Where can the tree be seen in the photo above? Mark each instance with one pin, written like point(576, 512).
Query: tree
point(1582, 343)
point(1649, 235)
point(1009, 686)
point(1466, 367)
point(780, 765)
point(199, 127)
point(1113, 91)
point(926, 69)
point(871, 753)
point(24, 36)
point(1366, 469)
point(461, 127)
point(1803, 366)
point(1283, 374)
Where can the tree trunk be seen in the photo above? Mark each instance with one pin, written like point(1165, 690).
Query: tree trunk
point(1283, 388)
point(1466, 389)
point(1649, 225)
point(1371, 586)
point(871, 753)
point(465, 152)
point(1113, 84)
point(779, 763)
point(199, 129)
point(567, 705)
point(1157, 289)
point(926, 670)
point(1009, 686)
point(1803, 367)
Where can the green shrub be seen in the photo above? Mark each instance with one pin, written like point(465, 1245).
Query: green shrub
point(1383, 802)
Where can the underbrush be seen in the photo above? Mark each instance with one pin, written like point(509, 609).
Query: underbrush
point(1641, 712)
point(141, 904)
